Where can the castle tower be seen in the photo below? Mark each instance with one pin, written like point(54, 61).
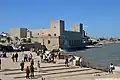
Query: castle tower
point(57, 27)
point(77, 27)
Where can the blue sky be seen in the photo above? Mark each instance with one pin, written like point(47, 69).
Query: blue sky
point(101, 17)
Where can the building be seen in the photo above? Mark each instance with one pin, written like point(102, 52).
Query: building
point(54, 37)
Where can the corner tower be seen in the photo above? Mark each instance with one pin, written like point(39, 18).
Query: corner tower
point(57, 27)
point(77, 27)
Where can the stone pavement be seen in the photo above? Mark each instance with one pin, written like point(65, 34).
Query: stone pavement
point(11, 71)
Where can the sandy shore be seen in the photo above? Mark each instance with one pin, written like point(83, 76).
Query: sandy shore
point(50, 71)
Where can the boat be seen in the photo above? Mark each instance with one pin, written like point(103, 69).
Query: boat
point(68, 48)
point(95, 46)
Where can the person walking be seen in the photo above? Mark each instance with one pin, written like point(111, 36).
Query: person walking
point(41, 57)
point(16, 57)
point(71, 59)
point(32, 71)
point(38, 65)
point(25, 57)
point(81, 61)
point(13, 56)
point(22, 65)
point(27, 72)
point(66, 62)
point(29, 57)
point(32, 62)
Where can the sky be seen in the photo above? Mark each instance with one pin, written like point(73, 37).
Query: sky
point(101, 18)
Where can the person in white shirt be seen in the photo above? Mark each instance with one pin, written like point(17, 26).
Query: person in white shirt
point(44, 57)
point(81, 61)
point(29, 57)
point(111, 68)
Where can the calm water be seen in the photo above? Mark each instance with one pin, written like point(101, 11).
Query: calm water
point(102, 57)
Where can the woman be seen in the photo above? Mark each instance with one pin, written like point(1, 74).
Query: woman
point(27, 72)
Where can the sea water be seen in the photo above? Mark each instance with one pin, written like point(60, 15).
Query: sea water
point(101, 57)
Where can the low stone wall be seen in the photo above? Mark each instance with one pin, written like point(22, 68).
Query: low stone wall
point(108, 79)
point(29, 46)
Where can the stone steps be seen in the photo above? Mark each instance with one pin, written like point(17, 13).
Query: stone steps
point(48, 70)
point(54, 71)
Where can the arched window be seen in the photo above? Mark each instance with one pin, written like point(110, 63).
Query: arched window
point(48, 41)
point(54, 34)
point(49, 34)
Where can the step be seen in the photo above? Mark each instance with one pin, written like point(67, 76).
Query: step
point(63, 72)
point(43, 69)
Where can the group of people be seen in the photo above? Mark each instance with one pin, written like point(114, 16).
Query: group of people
point(47, 57)
point(68, 60)
point(15, 57)
point(29, 68)
point(27, 57)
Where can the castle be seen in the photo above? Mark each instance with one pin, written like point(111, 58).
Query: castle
point(54, 37)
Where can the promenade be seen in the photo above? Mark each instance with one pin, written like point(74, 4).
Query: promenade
point(11, 71)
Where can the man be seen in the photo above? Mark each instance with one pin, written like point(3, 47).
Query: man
point(16, 56)
point(66, 62)
point(22, 65)
point(38, 65)
point(29, 56)
point(13, 56)
point(32, 62)
point(25, 57)
point(32, 71)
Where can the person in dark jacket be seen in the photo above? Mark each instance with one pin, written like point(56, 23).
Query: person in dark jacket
point(16, 56)
point(66, 62)
point(13, 56)
point(32, 71)
point(32, 62)
point(22, 65)
point(27, 72)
